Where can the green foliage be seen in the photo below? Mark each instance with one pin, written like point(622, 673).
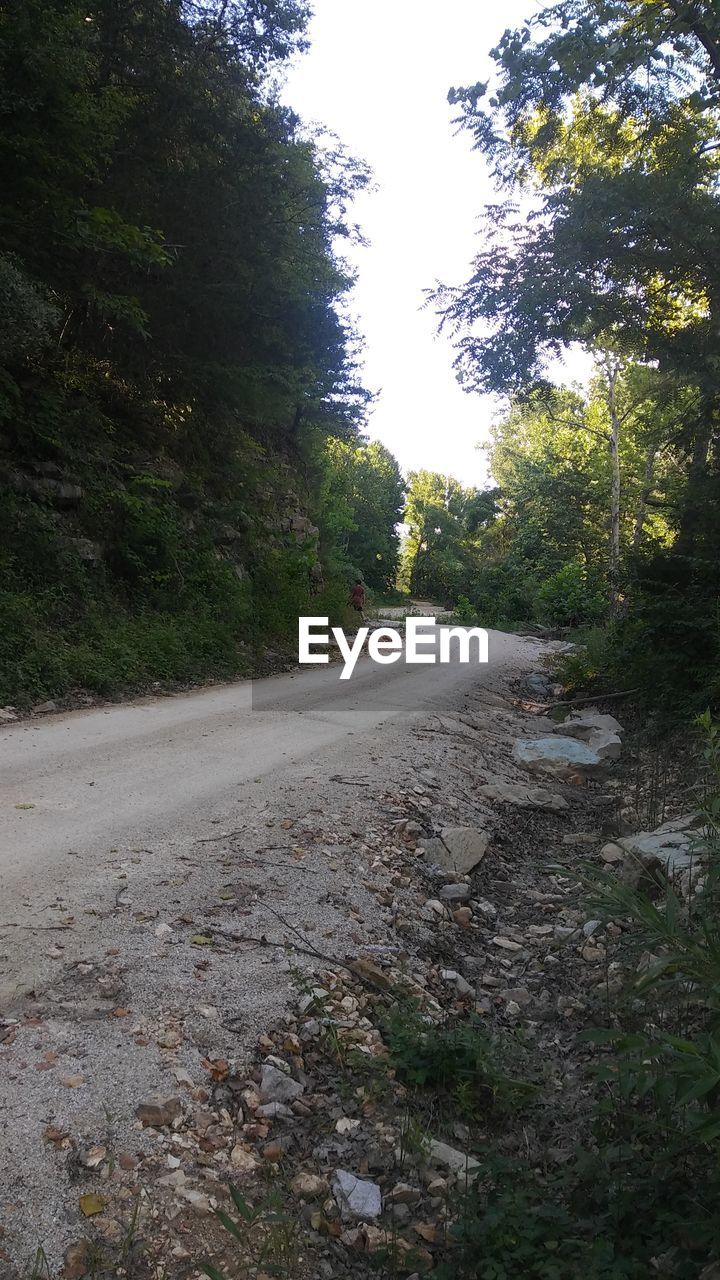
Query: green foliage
point(619, 254)
point(265, 1237)
point(611, 1211)
point(362, 504)
point(28, 317)
point(569, 599)
point(174, 355)
point(460, 1061)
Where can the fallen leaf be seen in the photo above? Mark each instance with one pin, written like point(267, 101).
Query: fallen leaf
point(200, 940)
point(24, 806)
point(219, 1069)
point(48, 1062)
point(94, 1157)
point(55, 1136)
point(91, 1203)
point(73, 1082)
point(119, 1012)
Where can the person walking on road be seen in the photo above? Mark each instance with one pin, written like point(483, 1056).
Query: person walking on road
point(356, 599)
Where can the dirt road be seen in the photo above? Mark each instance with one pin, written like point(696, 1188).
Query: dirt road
point(132, 836)
point(75, 788)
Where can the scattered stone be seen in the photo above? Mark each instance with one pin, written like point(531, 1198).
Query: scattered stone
point(591, 926)
point(538, 686)
point(309, 1186)
point(243, 1159)
point(612, 854)
point(458, 851)
point(455, 893)
point(345, 1126)
point(44, 708)
point(593, 954)
point(274, 1111)
point(157, 1113)
point(462, 916)
point(276, 1086)
point(466, 1168)
point(356, 1197)
point(584, 724)
point(93, 1157)
point(507, 944)
point(523, 797)
point(403, 1193)
point(672, 848)
point(517, 995)
point(433, 909)
point(484, 908)
point(7, 715)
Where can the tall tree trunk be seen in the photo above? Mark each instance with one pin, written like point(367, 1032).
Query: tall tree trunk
point(612, 369)
point(645, 492)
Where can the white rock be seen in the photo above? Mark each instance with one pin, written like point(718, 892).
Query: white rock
point(466, 1168)
point(560, 756)
point(459, 849)
point(605, 745)
point(356, 1197)
point(673, 848)
point(345, 1125)
point(583, 724)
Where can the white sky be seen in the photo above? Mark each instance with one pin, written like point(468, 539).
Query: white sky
point(377, 75)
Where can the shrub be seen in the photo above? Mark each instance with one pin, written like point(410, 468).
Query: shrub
point(569, 598)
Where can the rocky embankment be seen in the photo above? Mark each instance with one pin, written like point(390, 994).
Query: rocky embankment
point(449, 893)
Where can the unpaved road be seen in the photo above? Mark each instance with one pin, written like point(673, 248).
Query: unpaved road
point(127, 833)
point(74, 785)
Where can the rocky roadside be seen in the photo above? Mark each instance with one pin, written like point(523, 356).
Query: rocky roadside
point(463, 908)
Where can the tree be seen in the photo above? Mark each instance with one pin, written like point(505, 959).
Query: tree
point(364, 498)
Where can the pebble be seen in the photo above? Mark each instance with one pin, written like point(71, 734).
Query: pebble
point(591, 926)
point(277, 1086)
point(517, 995)
point(484, 908)
point(455, 893)
point(310, 1186)
point(157, 1113)
point(356, 1197)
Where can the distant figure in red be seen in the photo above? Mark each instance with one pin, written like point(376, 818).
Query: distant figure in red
point(356, 599)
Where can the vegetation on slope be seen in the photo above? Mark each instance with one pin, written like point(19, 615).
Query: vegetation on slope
point(174, 352)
